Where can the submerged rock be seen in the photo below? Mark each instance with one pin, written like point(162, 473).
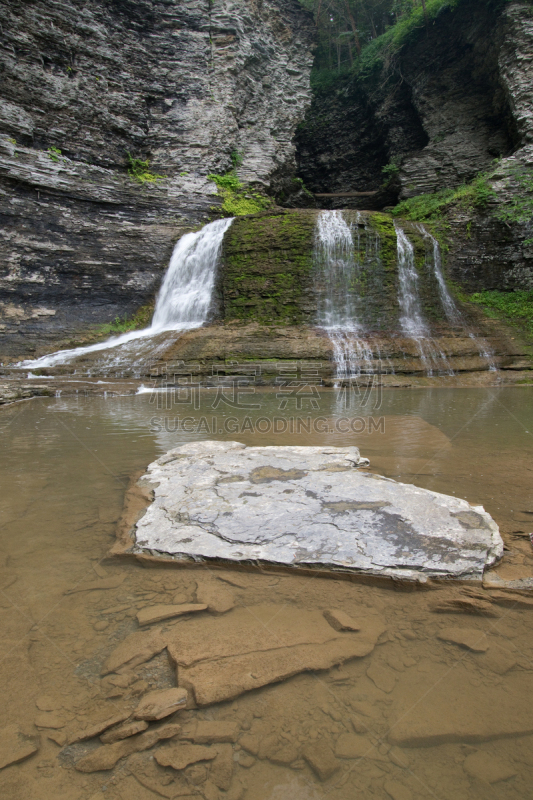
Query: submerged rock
point(15, 746)
point(308, 507)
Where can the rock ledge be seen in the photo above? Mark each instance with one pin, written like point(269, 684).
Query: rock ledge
point(307, 507)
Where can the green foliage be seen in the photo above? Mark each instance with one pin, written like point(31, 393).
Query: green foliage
point(140, 172)
point(391, 169)
point(54, 153)
point(515, 307)
point(236, 159)
point(475, 194)
point(360, 36)
point(519, 208)
point(238, 199)
point(141, 319)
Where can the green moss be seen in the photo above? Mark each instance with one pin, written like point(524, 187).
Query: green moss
point(432, 207)
point(514, 307)
point(239, 200)
point(267, 267)
point(384, 226)
point(519, 207)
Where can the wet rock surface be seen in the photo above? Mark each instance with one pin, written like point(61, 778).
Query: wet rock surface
point(308, 507)
point(183, 86)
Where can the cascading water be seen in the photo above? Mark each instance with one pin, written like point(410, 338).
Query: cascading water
point(338, 299)
point(183, 301)
point(412, 320)
point(453, 314)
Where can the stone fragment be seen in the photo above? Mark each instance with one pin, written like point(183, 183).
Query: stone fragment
point(397, 790)
point(351, 745)
point(160, 703)
point(462, 604)
point(250, 742)
point(246, 759)
point(49, 720)
point(47, 703)
point(179, 756)
point(226, 678)
point(213, 732)
point(218, 598)
point(14, 746)
point(124, 731)
point(149, 775)
point(321, 759)
point(257, 628)
point(340, 620)
point(103, 583)
point(221, 770)
point(59, 737)
point(499, 659)
point(268, 745)
point(443, 706)
point(106, 756)
point(151, 614)
point(487, 768)
point(222, 500)
point(210, 791)
point(511, 600)
point(470, 638)
point(93, 729)
point(136, 648)
point(286, 755)
point(491, 580)
point(383, 677)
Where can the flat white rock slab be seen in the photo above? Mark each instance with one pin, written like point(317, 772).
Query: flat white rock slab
point(308, 507)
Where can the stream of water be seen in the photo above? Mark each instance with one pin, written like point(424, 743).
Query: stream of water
point(64, 471)
point(183, 302)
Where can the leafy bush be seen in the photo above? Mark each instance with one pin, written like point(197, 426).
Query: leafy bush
point(140, 172)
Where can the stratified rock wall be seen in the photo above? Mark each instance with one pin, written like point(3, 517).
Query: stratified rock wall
point(443, 106)
point(183, 84)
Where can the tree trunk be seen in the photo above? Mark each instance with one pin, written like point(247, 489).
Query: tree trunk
point(354, 29)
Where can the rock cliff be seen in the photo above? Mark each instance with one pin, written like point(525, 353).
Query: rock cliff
point(444, 106)
point(87, 85)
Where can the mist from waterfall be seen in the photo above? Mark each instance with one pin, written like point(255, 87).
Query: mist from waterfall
point(183, 301)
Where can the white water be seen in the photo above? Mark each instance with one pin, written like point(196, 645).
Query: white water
point(337, 300)
point(182, 303)
point(412, 320)
point(450, 308)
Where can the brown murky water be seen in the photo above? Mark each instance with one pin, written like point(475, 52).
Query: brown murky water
point(418, 717)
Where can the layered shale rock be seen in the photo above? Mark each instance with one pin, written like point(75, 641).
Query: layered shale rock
point(87, 85)
point(306, 507)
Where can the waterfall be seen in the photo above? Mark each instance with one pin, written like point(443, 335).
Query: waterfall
point(337, 266)
point(453, 314)
point(182, 303)
point(412, 320)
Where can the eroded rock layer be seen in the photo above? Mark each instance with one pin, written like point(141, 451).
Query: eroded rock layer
point(86, 86)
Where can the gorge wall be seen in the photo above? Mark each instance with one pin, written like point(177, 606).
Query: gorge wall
point(183, 85)
point(441, 107)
